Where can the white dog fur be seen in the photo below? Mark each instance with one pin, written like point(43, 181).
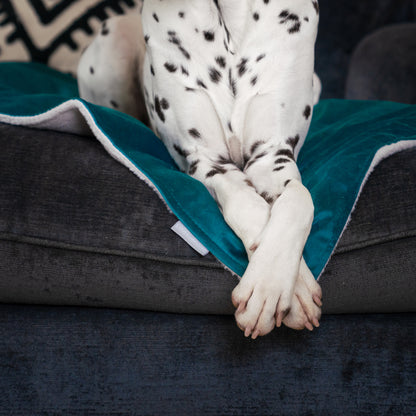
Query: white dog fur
point(229, 86)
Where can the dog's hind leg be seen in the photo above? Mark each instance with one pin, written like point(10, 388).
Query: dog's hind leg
point(110, 69)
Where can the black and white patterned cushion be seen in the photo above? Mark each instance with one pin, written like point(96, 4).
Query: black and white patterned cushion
point(54, 32)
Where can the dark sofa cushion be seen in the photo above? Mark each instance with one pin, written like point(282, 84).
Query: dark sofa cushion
point(342, 26)
point(77, 361)
point(382, 66)
point(88, 241)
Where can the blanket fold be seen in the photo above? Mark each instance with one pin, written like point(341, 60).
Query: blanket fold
point(345, 142)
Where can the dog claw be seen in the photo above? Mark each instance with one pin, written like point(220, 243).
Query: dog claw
point(309, 326)
point(279, 320)
point(240, 307)
point(317, 300)
point(255, 334)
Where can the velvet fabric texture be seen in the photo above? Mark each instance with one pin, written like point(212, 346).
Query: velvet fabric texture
point(344, 138)
point(383, 66)
point(342, 26)
point(68, 242)
point(103, 237)
point(76, 361)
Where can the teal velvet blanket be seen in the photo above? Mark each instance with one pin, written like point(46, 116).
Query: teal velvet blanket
point(345, 141)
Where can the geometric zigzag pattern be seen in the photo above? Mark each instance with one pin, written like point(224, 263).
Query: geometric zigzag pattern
point(54, 32)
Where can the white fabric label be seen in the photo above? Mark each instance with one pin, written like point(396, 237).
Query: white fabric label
point(186, 235)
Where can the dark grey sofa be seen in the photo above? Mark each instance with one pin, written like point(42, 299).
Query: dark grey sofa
point(105, 311)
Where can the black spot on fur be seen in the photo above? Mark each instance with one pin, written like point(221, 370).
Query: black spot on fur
point(256, 16)
point(158, 109)
point(306, 19)
point(215, 75)
point(230, 127)
point(170, 67)
point(180, 151)
point(315, 6)
point(293, 141)
point(209, 36)
point(242, 66)
point(224, 160)
point(286, 16)
point(287, 182)
point(173, 38)
point(295, 28)
point(227, 33)
point(184, 71)
point(255, 146)
point(185, 53)
point(155, 17)
point(194, 133)
point(176, 41)
point(181, 15)
point(248, 163)
point(152, 70)
point(215, 171)
point(146, 38)
point(232, 83)
point(91, 70)
point(201, 83)
point(164, 103)
point(281, 160)
point(260, 57)
point(260, 155)
point(249, 160)
point(266, 1)
point(114, 104)
point(293, 19)
point(276, 169)
point(246, 158)
point(189, 89)
point(253, 80)
point(285, 152)
point(267, 197)
point(220, 60)
point(193, 167)
point(307, 112)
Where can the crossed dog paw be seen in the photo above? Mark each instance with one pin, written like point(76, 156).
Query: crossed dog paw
point(265, 303)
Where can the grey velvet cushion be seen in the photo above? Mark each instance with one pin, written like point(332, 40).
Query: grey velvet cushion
point(77, 228)
point(382, 66)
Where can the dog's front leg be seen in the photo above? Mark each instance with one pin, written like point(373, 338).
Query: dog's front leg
point(264, 296)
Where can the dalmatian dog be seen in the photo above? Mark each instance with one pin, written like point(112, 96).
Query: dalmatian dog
point(229, 87)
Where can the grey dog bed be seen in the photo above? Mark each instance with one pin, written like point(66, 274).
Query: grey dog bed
point(103, 238)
